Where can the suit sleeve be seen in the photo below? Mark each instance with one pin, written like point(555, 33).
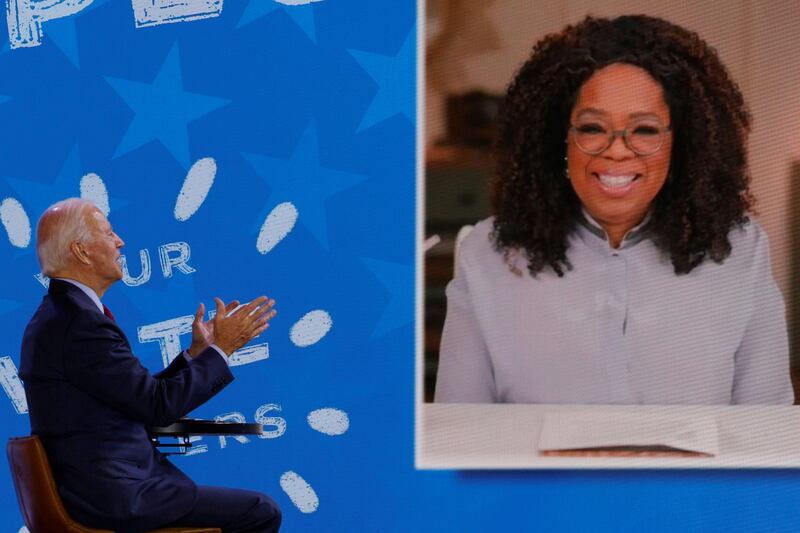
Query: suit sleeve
point(98, 360)
point(761, 373)
point(177, 364)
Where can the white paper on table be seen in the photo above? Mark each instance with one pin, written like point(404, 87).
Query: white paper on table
point(587, 431)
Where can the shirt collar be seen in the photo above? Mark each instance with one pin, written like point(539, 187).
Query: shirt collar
point(88, 290)
point(596, 231)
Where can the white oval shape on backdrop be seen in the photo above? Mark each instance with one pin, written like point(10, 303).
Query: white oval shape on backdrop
point(300, 492)
point(311, 328)
point(195, 188)
point(16, 222)
point(93, 188)
point(329, 421)
point(277, 225)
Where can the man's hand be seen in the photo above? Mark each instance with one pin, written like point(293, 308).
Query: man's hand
point(249, 321)
point(203, 332)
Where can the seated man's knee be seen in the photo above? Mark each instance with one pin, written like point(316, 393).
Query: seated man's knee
point(269, 511)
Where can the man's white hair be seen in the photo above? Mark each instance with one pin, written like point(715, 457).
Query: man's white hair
point(59, 226)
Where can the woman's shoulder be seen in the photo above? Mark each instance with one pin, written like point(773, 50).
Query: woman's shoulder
point(749, 247)
point(748, 238)
point(476, 252)
point(476, 240)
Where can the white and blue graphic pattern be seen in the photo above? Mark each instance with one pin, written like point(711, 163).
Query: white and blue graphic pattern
point(223, 142)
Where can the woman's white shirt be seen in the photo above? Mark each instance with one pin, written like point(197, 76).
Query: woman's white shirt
point(619, 328)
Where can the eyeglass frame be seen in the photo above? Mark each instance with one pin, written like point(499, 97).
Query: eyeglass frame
point(623, 133)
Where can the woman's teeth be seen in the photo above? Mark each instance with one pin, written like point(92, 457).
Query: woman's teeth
point(615, 181)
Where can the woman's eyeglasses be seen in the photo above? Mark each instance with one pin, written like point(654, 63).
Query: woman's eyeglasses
point(643, 137)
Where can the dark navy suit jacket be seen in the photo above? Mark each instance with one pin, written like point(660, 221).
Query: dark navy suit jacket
point(90, 400)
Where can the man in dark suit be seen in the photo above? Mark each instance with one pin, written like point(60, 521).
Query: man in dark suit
point(90, 400)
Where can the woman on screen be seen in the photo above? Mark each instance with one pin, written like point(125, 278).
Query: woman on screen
point(621, 266)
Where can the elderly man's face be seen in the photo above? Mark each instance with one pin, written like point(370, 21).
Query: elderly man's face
point(103, 248)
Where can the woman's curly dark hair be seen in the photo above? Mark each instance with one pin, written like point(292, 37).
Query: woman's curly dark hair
point(707, 193)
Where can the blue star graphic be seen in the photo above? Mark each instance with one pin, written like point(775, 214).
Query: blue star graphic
point(395, 79)
point(64, 34)
point(163, 109)
point(396, 278)
point(302, 181)
point(37, 196)
point(302, 15)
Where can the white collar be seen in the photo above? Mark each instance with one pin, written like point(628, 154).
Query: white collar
point(631, 237)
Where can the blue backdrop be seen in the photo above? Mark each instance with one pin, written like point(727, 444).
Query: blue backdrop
point(259, 147)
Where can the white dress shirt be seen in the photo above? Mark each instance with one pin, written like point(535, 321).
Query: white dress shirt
point(619, 328)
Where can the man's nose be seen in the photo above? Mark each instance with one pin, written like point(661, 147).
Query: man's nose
point(120, 242)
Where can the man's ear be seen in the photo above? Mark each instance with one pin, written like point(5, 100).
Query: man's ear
point(79, 252)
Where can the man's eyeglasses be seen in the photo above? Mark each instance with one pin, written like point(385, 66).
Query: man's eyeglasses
point(643, 137)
